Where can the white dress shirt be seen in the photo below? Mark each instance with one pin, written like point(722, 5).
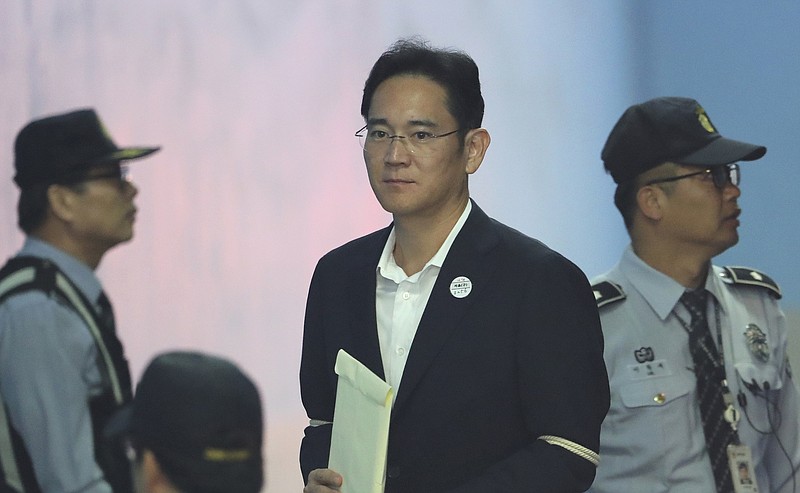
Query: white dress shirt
point(400, 301)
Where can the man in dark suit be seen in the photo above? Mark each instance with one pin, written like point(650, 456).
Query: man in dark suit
point(490, 339)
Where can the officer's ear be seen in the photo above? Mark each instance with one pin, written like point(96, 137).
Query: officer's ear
point(649, 200)
point(652, 199)
point(62, 200)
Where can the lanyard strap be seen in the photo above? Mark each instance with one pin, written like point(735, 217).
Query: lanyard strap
point(731, 414)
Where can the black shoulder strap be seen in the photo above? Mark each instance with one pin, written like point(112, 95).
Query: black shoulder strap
point(750, 277)
point(22, 274)
point(17, 275)
point(607, 292)
point(27, 273)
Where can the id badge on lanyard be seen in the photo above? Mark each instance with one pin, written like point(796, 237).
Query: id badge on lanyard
point(740, 458)
point(740, 461)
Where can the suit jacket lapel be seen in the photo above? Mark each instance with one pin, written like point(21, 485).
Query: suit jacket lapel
point(364, 325)
point(467, 257)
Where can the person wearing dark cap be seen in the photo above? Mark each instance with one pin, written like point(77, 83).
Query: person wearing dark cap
point(63, 371)
point(195, 425)
point(696, 353)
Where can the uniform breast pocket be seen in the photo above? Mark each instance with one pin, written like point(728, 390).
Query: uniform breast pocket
point(763, 377)
point(656, 392)
point(658, 409)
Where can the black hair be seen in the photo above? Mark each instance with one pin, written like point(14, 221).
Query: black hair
point(625, 195)
point(32, 207)
point(625, 200)
point(454, 70)
point(33, 204)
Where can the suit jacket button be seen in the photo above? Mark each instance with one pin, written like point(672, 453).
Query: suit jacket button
point(393, 472)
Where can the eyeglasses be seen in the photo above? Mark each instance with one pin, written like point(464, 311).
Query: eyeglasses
point(121, 174)
point(721, 175)
point(376, 141)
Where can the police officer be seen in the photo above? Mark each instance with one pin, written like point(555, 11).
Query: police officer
point(195, 425)
point(63, 371)
point(702, 396)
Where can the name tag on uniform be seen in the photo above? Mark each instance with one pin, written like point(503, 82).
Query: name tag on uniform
point(649, 369)
point(741, 464)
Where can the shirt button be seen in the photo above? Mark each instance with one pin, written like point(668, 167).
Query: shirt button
point(660, 398)
point(401, 351)
point(406, 295)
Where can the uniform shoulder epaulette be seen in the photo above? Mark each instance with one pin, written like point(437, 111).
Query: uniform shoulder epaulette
point(25, 273)
point(607, 292)
point(750, 277)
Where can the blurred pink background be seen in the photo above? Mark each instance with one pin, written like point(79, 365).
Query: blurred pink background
point(255, 104)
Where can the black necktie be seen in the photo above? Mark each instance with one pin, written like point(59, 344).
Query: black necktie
point(108, 332)
point(710, 374)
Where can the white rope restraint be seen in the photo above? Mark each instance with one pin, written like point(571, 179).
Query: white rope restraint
point(573, 447)
point(319, 422)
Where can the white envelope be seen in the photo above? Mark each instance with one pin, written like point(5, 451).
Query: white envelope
point(360, 426)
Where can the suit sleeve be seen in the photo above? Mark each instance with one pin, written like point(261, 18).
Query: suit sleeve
point(563, 387)
point(317, 387)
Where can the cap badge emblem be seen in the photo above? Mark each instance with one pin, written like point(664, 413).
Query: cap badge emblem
point(704, 120)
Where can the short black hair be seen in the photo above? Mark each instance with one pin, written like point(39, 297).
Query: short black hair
point(625, 195)
point(34, 203)
point(454, 70)
point(625, 200)
point(32, 207)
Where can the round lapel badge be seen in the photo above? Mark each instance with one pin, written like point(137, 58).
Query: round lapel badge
point(460, 287)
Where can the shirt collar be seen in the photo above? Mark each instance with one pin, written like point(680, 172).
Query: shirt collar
point(714, 286)
point(78, 272)
point(389, 269)
point(659, 290)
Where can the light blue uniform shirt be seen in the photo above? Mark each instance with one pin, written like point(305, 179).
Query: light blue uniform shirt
point(652, 438)
point(48, 372)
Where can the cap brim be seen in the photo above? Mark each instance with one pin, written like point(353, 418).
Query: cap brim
point(125, 154)
point(724, 151)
